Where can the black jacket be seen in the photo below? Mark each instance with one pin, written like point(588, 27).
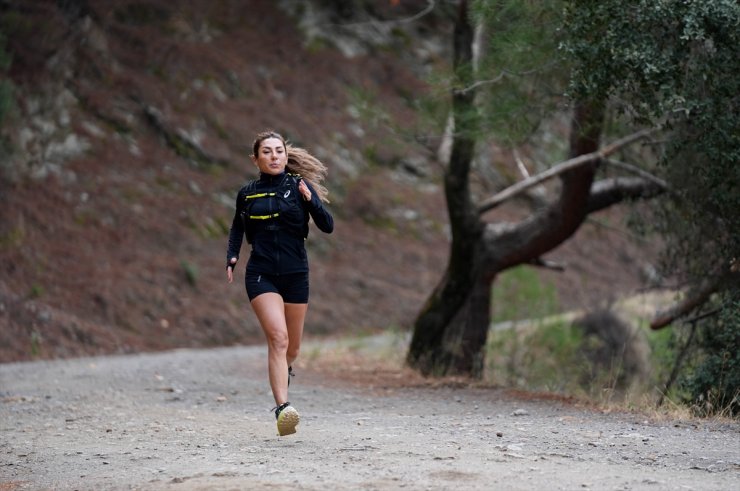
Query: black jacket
point(274, 216)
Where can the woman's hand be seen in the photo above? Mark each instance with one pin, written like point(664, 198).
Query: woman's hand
point(303, 189)
point(230, 270)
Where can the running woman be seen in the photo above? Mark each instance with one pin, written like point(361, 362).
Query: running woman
point(273, 212)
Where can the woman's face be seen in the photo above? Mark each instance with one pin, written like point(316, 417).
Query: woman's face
point(271, 156)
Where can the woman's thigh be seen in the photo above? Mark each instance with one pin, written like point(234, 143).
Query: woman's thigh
point(271, 313)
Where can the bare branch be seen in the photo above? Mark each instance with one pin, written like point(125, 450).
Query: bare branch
point(544, 263)
point(480, 83)
point(698, 295)
point(560, 168)
point(636, 170)
point(428, 9)
point(695, 298)
point(407, 20)
point(606, 192)
point(520, 164)
point(503, 74)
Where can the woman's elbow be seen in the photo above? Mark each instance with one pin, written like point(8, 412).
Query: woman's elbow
point(328, 226)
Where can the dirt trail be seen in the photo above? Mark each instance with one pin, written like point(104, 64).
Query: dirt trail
point(200, 420)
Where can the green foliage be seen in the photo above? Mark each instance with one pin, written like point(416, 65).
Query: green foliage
point(533, 347)
point(664, 347)
point(652, 54)
point(543, 356)
point(520, 73)
point(36, 340)
point(214, 228)
point(191, 272)
point(713, 383)
point(526, 349)
point(37, 291)
point(12, 238)
point(218, 127)
point(674, 63)
point(6, 87)
point(365, 108)
point(519, 294)
point(6, 99)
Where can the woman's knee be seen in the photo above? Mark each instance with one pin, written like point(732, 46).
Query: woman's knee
point(292, 352)
point(278, 341)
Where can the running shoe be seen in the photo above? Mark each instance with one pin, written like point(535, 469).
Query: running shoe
point(287, 419)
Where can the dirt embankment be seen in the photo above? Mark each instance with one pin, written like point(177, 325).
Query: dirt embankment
point(131, 141)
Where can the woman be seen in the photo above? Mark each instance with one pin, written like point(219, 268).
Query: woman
point(273, 211)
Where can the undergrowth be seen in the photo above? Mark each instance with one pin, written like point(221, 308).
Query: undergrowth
point(534, 346)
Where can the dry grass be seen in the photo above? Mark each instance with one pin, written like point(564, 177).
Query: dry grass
point(377, 363)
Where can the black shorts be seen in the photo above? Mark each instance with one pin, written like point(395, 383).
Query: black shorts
point(292, 287)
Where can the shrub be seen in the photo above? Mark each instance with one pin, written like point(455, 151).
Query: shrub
point(713, 385)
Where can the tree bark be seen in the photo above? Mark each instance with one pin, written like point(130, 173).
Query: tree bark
point(440, 342)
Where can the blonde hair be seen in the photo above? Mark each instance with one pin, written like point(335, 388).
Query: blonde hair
point(299, 162)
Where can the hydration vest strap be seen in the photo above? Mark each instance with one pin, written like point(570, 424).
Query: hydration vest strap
point(259, 195)
point(264, 217)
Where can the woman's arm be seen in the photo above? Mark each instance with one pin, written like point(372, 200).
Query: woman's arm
point(321, 216)
point(236, 233)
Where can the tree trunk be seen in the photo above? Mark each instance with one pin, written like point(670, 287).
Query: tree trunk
point(451, 331)
point(435, 349)
point(467, 334)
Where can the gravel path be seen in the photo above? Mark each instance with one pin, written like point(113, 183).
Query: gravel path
point(200, 420)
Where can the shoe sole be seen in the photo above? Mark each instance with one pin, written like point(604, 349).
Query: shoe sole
point(287, 421)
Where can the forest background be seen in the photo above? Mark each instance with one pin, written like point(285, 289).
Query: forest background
point(126, 131)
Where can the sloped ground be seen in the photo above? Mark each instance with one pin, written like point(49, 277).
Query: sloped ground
point(132, 140)
point(200, 420)
point(121, 247)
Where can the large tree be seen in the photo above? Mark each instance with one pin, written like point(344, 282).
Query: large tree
point(451, 330)
point(676, 63)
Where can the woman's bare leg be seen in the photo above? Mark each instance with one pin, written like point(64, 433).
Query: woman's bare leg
point(295, 316)
point(271, 313)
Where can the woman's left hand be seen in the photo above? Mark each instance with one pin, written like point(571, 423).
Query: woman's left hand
point(305, 192)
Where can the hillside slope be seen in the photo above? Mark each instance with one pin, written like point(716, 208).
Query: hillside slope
point(131, 138)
